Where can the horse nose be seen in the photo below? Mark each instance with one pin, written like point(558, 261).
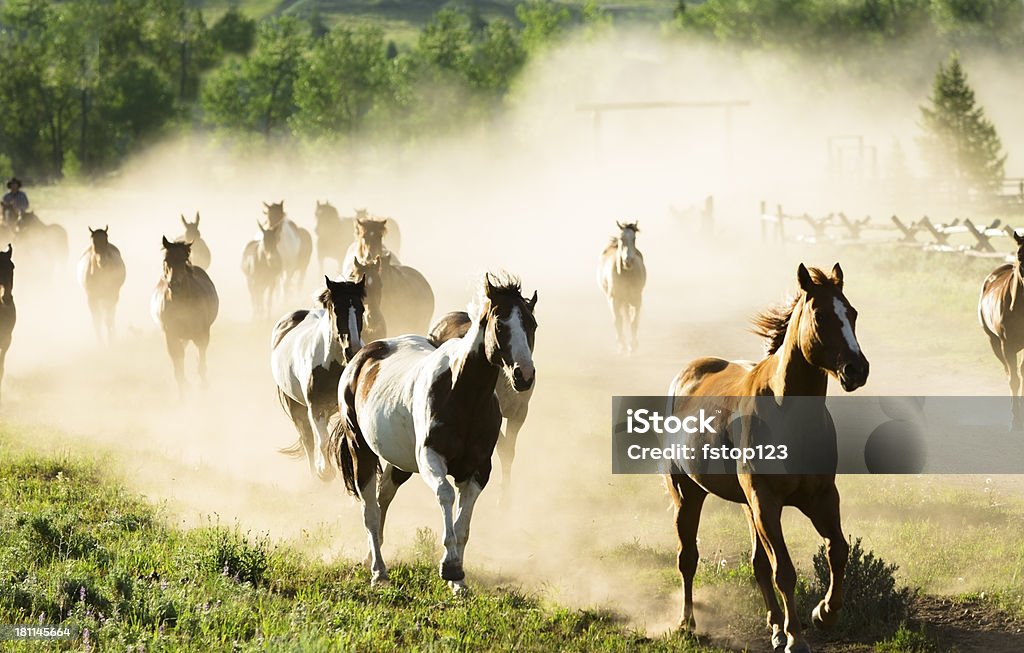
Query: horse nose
point(522, 377)
point(856, 372)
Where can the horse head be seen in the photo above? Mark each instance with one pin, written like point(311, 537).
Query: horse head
point(509, 329)
point(626, 251)
point(1020, 251)
point(6, 273)
point(275, 213)
point(191, 228)
point(325, 211)
point(100, 237)
point(176, 257)
point(370, 234)
point(344, 303)
point(271, 237)
point(369, 274)
point(825, 324)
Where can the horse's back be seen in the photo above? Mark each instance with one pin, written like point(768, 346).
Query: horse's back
point(285, 325)
point(448, 326)
point(408, 299)
point(710, 376)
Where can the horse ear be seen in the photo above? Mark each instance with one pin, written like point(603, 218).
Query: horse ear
point(197, 218)
point(532, 302)
point(636, 226)
point(183, 220)
point(266, 206)
point(167, 243)
point(328, 282)
point(91, 230)
point(106, 228)
point(619, 225)
point(10, 249)
point(837, 275)
point(1017, 237)
point(260, 225)
point(803, 277)
point(488, 288)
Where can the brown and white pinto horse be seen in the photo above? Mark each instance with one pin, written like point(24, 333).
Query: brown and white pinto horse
point(808, 341)
point(514, 405)
point(8, 312)
point(101, 273)
point(420, 409)
point(296, 245)
point(184, 305)
point(1001, 312)
point(622, 276)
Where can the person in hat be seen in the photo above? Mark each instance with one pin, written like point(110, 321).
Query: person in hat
point(15, 198)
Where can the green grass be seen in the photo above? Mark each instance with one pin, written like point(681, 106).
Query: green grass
point(76, 547)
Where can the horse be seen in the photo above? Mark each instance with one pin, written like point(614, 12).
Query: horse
point(393, 237)
point(334, 234)
point(309, 350)
point(807, 341)
point(374, 325)
point(406, 298)
point(421, 409)
point(45, 243)
point(263, 269)
point(296, 245)
point(8, 312)
point(369, 243)
point(184, 305)
point(1002, 319)
point(621, 275)
point(101, 273)
point(514, 405)
point(200, 256)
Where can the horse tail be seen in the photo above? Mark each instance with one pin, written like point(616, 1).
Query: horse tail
point(295, 450)
point(341, 451)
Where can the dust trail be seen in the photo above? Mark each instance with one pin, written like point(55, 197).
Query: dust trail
point(537, 194)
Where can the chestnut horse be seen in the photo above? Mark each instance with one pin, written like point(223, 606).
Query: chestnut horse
point(200, 255)
point(101, 273)
point(406, 300)
point(309, 350)
point(1002, 319)
point(368, 244)
point(416, 408)
point(808, 341)
point(514, 405)
point(8, 312)
point(622, 276)
point(184, 305)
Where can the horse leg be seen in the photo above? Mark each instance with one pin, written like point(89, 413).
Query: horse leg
point(202, 342)
point(97, 318)
point(468, 491)
point(176, 350)
point(997, 349)
point(366, 463)
point(618, 311)
point(763, 574)
point(300, 419)
point(688, 498)
point(318, 420)
point(635, 324)
point(1011, 363)
point(767, 512)
point(3, 360)
point(391, 479)
point(824, 515)
point(434, 470)
point(507, 454)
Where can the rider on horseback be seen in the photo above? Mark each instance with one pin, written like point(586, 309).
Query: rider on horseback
point(15, 197)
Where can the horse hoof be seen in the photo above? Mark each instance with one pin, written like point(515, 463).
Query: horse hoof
point(452, 571)
point(799, 647)
point(778, 641)
point(688, 626)
point(821, 617)
point(458, 587)
point(380, 579)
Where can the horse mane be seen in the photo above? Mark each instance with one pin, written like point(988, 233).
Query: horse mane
point(771, 323)
point(501, 282)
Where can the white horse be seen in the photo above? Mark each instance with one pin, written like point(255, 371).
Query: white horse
point(416, 408)
point(295, 245)
point(309, 350)
point(622, 276)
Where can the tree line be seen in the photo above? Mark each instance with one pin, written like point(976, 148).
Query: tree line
point(88, 82)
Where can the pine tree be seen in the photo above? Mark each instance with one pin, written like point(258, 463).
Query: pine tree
point(960, 143)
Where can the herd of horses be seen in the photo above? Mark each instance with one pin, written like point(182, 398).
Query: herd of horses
point(377, 392)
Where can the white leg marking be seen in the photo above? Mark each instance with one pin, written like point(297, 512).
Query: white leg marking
point(353, 329)
point(371, 520)
point(434, 470)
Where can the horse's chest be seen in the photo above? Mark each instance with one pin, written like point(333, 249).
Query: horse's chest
point(465, 435)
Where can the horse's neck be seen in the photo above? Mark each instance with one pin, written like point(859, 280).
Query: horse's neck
point(181, 279)
point(6, 293)
point(331, 341)
point(472, 371)
point(792, 374)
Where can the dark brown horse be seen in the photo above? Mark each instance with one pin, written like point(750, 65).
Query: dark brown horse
point(200, 255)
point(374, 325)
point(184, 304)
point(295, 246)
point(406, 298)
point(8, 312)
point(808, 341)
point(263, 270)
point(45, 244)
point(101, 273)
point(334, 234)
point(514, 405)
point(1001, 312)
point(415, 408)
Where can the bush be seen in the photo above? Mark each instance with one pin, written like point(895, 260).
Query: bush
point(873, 604)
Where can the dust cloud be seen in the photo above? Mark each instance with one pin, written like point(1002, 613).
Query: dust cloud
point(536, 193)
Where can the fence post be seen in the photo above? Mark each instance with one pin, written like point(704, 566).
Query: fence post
point(707, 218)
point(760, 218)
point(778, 227)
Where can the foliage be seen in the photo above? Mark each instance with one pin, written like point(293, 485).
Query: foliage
point(960, 141)
point(875, 604)
point(905, 640)
point(543, 21)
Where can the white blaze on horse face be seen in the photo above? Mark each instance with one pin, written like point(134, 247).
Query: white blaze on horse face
point(519, 346)
point(353, 329)
point(627, 248)
point(844, 322)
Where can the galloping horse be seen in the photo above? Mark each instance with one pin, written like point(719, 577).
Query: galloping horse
point(622, 275)
point(514, 405)
point(45, 243)
point(200, 256)
point(406, 299)
point(263, 270)
point(184, 305)
point(334, 234)
point(8, 312)
point(1001, 312)
point(374, 325)
point(393, 237)
point(418, 408)
point(309, 350)
point(101, 273)
point(296, 245)
point(369, 244)
point(808, 341)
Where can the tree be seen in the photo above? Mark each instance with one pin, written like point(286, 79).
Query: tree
point(960, 142)
point(234, 32)
point(543, 21)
